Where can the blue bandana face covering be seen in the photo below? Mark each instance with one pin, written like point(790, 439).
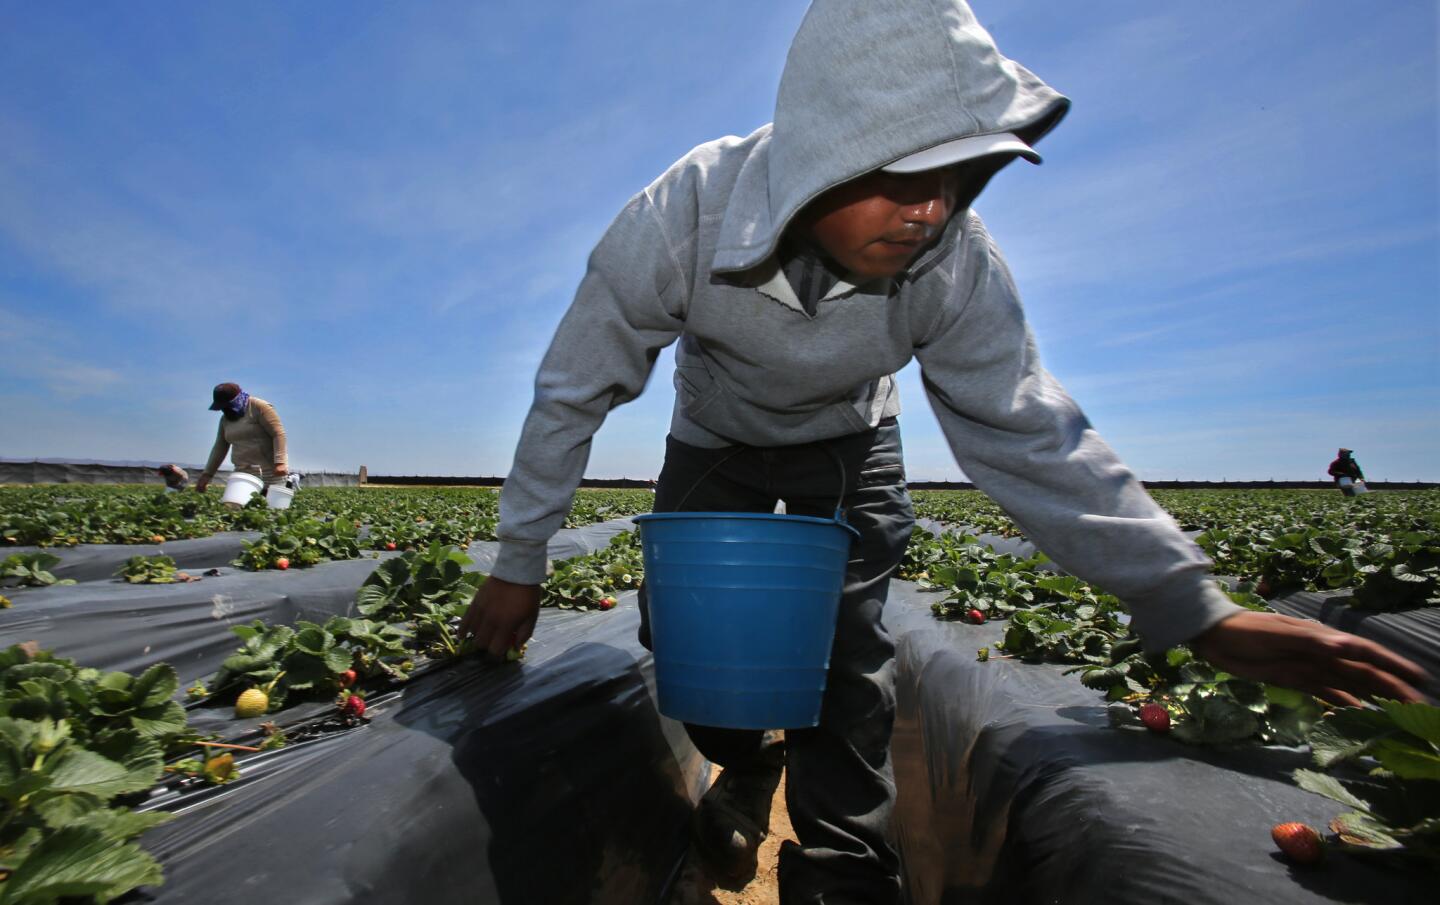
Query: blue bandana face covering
point(235, 408)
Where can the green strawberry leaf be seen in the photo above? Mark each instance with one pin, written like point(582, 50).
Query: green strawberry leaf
point(76, 770)
point(1406, 760)
point(1330, 787)
point(1421, 720)
point(156, 685)
point(79, 861)
point(1346, 734)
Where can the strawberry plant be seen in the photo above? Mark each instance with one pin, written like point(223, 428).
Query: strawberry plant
point(31, 570)
point(402, 588)
point(1394, 796)
point(970, 509)
point(973, 576)
point(308, 661)
point(101, 708)
point(157, 569)
point(1201, 705)
point(592, 506)
point(76, 745)
point(584, 583)
point(301, 541)
point(61, 834)
point(1403, 573)
point(1061, 634)
point(430, 589)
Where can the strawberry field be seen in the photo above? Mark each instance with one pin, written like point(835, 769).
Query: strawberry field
point(171, 670)
point(1383, 546)
point(66, 515)
point(354, 593)
point(1370, 565)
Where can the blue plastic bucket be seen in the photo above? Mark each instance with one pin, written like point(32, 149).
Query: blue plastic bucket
point(742, 614)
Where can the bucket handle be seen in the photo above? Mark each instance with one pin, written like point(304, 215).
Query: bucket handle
point(839, 516)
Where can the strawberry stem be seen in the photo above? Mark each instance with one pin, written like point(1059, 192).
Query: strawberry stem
point(224, 745)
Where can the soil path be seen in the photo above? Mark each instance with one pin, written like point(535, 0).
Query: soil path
point(695, 887)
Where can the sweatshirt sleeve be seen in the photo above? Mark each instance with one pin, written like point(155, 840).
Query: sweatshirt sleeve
point(271, 422)
point(217, 452)
point(1021, 438)
point(629, 306)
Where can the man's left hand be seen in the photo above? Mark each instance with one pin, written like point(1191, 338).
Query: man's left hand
point(1295, 653)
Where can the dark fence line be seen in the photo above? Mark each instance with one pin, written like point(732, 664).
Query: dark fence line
point(620, 483)
point(1217, 485)
point(453, 481)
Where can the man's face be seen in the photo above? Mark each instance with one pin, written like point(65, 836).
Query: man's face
point(874, 226)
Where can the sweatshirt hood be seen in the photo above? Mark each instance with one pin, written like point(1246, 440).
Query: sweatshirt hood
point(864, 85)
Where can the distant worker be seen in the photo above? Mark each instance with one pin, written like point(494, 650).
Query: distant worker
point(1347, 474)
point(251, 432)
point(175, 477)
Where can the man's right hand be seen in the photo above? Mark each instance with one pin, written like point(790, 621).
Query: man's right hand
point(1305, 655)
point(501, 616)
point(201, 483)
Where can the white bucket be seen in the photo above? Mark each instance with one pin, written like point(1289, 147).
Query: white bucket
point(240, 488)
point(279, 496)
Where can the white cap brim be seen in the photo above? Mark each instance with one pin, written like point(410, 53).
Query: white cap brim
point(963, 149)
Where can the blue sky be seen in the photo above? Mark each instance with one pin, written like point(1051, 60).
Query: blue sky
point(373, 215)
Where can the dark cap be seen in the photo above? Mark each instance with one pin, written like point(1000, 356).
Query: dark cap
point(222, 394)
point(1343, 450)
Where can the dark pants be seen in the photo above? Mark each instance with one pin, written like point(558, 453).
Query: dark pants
point(840, 789)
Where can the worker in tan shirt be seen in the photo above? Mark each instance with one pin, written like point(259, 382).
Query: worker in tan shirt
point(251, 431)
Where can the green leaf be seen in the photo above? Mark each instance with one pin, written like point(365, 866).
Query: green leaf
point(1405, 760)
point(156, 722)
point(123, 823)
point(1224, 721)
point(1329, 786)
point(313, 640)
point(344, 625)
point(1346, 734)
point(76, 770)
point(303, 670)
point(1286, 697)
point(79, 861)
point(1422, 720)
point(61, 810)
point(338, 659)
point(156, 685)
point(371, 599)
point(1102, 678)
point(116, 681)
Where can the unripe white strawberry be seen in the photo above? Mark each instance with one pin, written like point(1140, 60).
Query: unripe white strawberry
point(252, 702)
point(255, 701)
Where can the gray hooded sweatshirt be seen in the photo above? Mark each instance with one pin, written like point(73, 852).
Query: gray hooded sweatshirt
point(693, 258)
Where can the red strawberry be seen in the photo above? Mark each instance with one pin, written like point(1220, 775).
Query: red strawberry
point(390, 545)
point(607, 603)
point(282, 564)
point(1155, 717)
point(974, 616)
point(353, 706)
point(347, 678)
point(1298, 842)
